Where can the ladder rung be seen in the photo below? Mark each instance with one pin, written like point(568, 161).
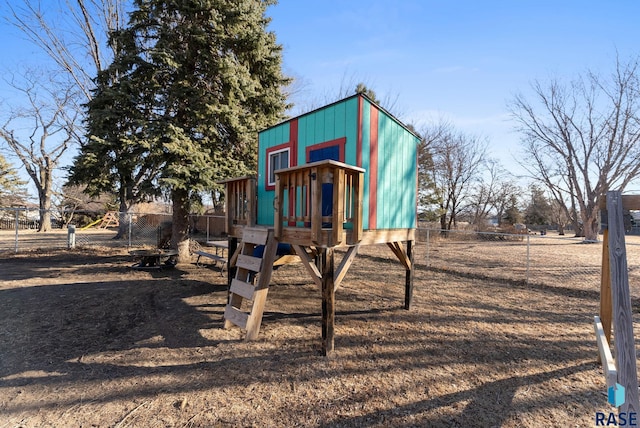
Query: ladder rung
point(255, 236)
point(236, 316)
point(242, 288)
point(249, 262)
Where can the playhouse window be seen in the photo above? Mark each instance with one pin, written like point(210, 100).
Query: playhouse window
point(277, 160)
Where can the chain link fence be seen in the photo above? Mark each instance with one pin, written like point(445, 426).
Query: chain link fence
point(18, 230)
point(530, 259)
point(549, 260)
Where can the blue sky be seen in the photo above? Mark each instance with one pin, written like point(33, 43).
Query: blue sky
point(457, 60)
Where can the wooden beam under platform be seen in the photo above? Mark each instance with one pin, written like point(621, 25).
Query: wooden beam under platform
point(329, 279)
point(406, 258)
point(309, 264)
point(344, 266)
point(303, 237)
point(319, 261)
point(316, 275)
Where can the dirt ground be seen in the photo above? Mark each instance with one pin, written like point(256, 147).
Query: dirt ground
point(85, 341)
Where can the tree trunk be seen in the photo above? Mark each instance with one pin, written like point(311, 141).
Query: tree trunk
point(123, 220)
point(560, 229)
point(591, 228)
point(578, 228)
point(443, 224)
point(180, 226)
point(45, 211)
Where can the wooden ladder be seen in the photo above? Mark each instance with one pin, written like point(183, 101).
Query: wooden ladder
point(244, 285)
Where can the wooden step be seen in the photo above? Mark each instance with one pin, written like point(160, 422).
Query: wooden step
point(249, 262)
point(236, 316)
point(253, 235)
point(242, 288)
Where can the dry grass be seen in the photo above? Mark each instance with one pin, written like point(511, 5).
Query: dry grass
point(86, 341)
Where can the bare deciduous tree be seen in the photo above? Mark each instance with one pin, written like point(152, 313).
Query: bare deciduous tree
point(72, 198)
point(40, 133)
point(73, 33)
point(582, 139)
point(504, 197)
point(457, 159)
point(428, 196)
point(483, 198)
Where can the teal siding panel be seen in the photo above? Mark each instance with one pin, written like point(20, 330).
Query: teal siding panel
point(268, 138)
point(265, 208)
point(303, 124)
point(366, 139)
point(310, 131)
point(350, 131)
point(340, 123)
point(384, 176)
point(396, 175)
point(411, 176)
point(404, 188)
point(319, 126)
point(329, 122)
point(385, 162)
point(397, 215)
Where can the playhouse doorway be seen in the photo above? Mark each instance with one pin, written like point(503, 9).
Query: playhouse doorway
point(326, 153)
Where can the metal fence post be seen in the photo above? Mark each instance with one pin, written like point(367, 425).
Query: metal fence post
point(528, 260)
point(130, 220)
point(71, 236)
point(208, 228)
point(427, 249)
point(16, 240)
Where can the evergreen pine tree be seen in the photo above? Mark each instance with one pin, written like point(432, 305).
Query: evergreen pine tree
point(12, 188)
point(197, 80)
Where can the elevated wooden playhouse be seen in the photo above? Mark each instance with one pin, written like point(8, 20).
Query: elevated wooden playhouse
point(343, 175)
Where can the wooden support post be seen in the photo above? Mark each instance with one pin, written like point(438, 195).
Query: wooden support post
point(231, 267)
point(251, 201)
point(625, 355)
point(316, 205)
point(328, 300)
point(278, 206)
point(408, 282)
point(338, 206)
point(358, 187)
point(229, 207)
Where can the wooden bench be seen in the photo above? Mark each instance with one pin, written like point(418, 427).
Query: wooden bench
point(216, 258)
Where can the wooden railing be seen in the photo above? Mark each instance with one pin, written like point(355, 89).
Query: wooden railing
point(317, 202)
point(240, 202)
